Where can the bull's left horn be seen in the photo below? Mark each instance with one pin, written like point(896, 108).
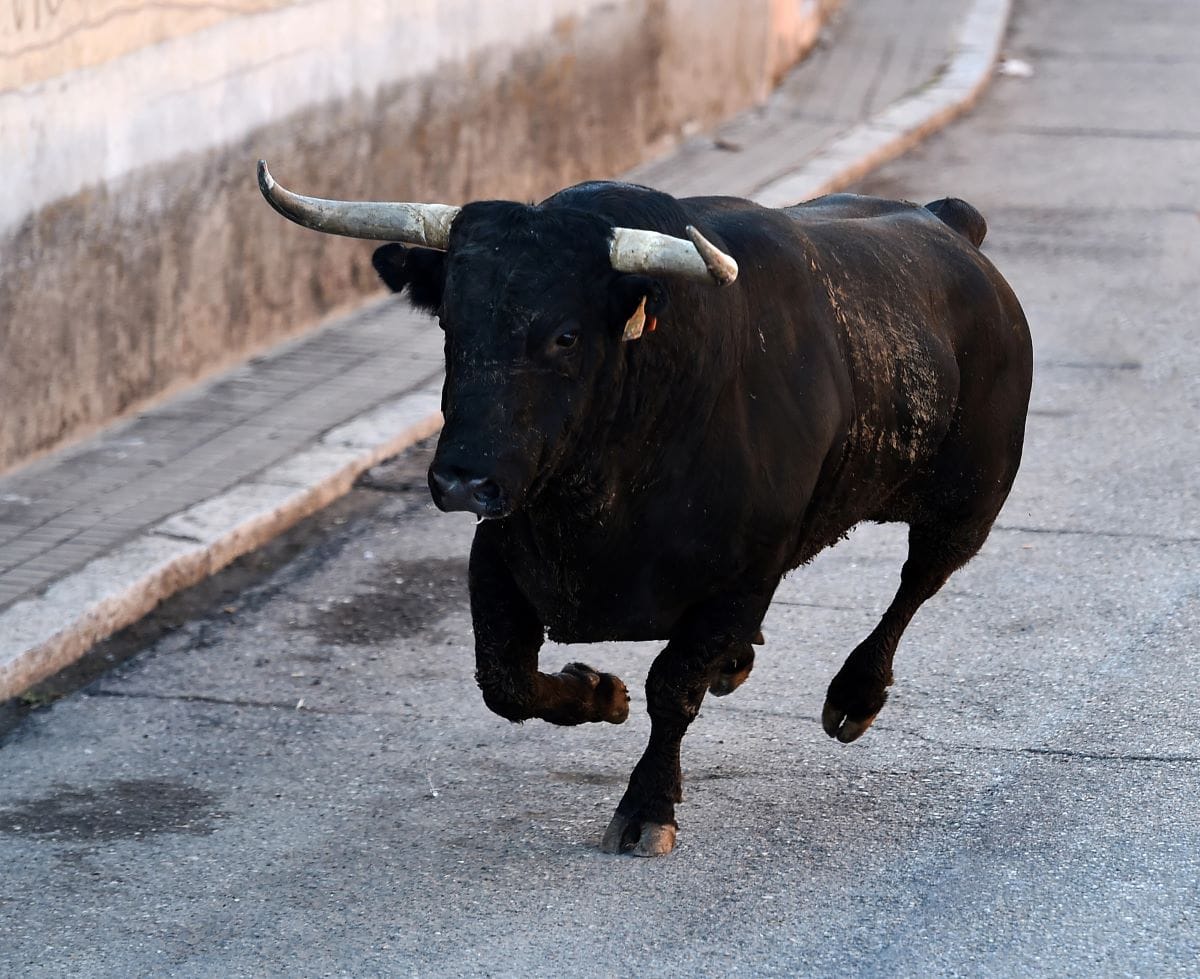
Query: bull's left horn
point(413, 224)
point(635, 250)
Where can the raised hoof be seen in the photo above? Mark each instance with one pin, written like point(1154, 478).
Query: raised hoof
point(845, 729)
point(853, 701)
point(726, 683)
point(606, 698)
point(627, 834)
point(732, 673)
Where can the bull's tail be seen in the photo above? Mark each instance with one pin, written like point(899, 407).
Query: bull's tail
point(960, 216)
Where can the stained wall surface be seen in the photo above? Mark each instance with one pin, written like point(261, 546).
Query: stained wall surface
point(135, 253)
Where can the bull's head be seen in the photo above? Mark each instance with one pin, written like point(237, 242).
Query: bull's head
point(535, 303)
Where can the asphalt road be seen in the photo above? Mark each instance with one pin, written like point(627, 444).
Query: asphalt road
point(289, 770)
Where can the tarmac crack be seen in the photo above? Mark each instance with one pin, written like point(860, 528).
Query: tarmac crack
point(1070, 753)
point(1083, 532)
point(1098, 132)
point(298, 706)
point(824, 605)
point(1107, 756)
point(1075, 754)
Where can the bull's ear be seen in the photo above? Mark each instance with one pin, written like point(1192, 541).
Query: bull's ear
point(422, 270)
point(629, 294)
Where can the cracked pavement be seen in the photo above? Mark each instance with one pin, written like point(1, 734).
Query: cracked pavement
point(288, 769)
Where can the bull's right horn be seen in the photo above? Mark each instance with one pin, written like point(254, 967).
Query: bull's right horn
point(638, 250)
point(413, 224)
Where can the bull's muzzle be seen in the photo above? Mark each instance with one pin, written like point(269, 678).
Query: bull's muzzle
point(454, 489)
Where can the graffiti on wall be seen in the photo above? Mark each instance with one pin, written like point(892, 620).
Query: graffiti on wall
point(30, 15)
point(40, 39)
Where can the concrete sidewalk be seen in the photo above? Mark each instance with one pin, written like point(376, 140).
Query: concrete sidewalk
point(93, 536)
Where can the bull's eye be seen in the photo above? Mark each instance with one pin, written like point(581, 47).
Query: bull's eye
point(566, 339)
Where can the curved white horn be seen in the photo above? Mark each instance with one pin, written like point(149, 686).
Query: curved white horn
point(635, 250)
point(413, 224)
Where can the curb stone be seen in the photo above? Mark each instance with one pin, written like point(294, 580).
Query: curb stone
point(42, 635)
point(907, 121)
point(45, 634)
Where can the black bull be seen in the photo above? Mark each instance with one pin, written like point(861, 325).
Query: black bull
point(868, 364)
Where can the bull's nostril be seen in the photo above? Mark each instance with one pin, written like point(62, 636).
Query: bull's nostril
point(453, 488)
point(442, 482)
point(485, 491)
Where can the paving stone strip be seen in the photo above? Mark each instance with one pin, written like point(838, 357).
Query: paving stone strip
point(93, 536)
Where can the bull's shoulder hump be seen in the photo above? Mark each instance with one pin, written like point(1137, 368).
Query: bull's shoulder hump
point(602, 195)
point(850, 207)
point(949, 219)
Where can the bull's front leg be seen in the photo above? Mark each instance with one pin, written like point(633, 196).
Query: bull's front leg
point(508, 637)
point(696, 658)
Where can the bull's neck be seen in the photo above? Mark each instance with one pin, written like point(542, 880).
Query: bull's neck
point(652, 422)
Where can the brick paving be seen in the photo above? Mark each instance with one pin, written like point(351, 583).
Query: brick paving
point(74, 505)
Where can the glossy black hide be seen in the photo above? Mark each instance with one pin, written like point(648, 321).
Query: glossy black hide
point(868, 364)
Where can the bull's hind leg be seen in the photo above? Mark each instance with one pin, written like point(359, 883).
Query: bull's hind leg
point(508, 637)
point(858, 692)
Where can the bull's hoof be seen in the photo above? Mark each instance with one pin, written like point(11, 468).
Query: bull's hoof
point(732, 673)
point(851, 707)
point(846, 729)
point(725, 683)
point(604, 696)
point(628, 834)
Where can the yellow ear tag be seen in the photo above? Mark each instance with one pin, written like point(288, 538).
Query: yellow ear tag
point(636, 323)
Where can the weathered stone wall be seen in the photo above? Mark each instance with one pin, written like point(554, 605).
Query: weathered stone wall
point(135, 253)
